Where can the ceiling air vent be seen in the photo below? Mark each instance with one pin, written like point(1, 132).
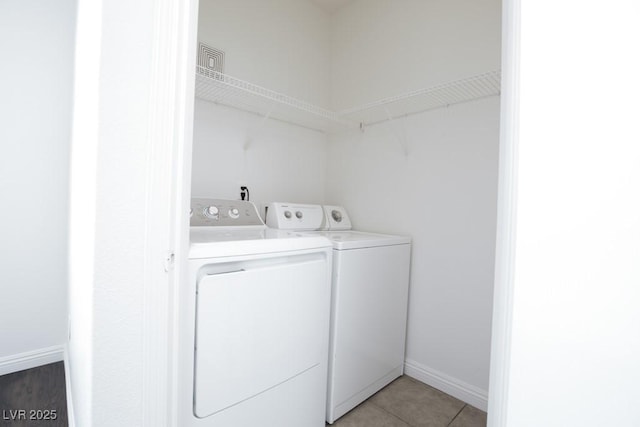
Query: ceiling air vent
point(210, 58)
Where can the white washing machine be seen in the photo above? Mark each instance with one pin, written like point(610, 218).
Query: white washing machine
point(370, 285)
point(254, 322)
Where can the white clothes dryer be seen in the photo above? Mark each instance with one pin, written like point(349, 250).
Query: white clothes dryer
point(370, 285)
point(254, 322)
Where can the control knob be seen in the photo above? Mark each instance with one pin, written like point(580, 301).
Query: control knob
point(336, 215)
point(211, 212)
point(287, 214)
point(234, 213)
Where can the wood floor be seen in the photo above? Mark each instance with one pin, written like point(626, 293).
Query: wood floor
point(34, 397)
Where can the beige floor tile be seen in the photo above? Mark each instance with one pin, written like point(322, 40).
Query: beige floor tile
point(368, 415)
point(417, 404)
point(470, 417)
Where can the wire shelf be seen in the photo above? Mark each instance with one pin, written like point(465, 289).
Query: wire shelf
point(455, 92)
point(223, 89)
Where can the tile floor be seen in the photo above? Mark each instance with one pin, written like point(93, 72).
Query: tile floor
point(409, 403)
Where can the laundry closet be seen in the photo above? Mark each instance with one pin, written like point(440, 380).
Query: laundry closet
point(388, 108)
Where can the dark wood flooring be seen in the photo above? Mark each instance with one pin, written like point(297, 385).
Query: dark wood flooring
point(34, 397)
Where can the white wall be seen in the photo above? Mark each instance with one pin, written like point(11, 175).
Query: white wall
point(282, 162)
point(382, 48)
point(283, 45)
point(571, 355)
point(108, 205)
point(279, 44)
point(443, 192)
point(36, 78)
point(131, 131)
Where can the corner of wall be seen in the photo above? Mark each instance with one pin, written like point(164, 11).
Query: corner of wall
point(468, 393)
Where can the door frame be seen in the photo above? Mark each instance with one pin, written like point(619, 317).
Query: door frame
point(173, 86)
point(172, 83)
point(506, 218)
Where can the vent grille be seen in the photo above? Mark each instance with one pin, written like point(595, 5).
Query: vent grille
point(210, 58)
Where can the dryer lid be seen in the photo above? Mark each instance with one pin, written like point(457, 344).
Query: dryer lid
point(213, 242)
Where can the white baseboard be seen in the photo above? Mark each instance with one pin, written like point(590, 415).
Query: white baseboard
point(468, 393)
point(31, 359)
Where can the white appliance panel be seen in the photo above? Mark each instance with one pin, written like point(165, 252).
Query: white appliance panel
point(350, 239)
point(292, 403)
point(214, 242)
point(295, 216)
point(368, 327)
point(336, 218)
point(239, 317)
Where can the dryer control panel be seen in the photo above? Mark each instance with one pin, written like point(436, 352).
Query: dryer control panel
point(220, 212)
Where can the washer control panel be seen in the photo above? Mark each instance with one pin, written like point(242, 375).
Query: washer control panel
point(220, 212)
point(295, 216)
point(337, 218)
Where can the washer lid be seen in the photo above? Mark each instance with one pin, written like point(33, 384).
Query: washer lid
point(358, 239)
point(214, 242)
